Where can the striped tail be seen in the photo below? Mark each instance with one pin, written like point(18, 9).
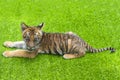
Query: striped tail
point(93, 50)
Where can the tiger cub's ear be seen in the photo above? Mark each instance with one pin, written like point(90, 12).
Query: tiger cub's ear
point(40, 25)
point(23, 26)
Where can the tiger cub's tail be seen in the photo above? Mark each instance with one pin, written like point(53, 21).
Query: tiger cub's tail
point(93, 50)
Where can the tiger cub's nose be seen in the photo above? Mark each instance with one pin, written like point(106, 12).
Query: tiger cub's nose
point(31, 48)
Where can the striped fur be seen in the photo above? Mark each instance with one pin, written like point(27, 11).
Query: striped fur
point(58, 43)
point(67, 44)
point(93, 50)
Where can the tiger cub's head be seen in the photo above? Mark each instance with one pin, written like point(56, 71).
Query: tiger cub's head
point(32, 36)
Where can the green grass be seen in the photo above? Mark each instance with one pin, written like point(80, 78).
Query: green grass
point(96, 21)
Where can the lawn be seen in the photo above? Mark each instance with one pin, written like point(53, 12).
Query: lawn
point(96, 21)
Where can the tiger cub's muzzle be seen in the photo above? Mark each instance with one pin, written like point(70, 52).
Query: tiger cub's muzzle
point(31, 48)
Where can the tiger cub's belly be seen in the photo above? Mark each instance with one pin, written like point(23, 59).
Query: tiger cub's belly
point(51, 52)
point(58, 48)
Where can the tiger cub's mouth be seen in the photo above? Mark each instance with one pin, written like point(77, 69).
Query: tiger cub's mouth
point(31, 48)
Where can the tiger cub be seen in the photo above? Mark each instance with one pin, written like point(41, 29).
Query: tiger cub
point(35, 41)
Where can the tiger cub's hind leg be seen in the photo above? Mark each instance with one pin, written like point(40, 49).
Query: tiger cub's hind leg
point(75, 55)
point(70, 33)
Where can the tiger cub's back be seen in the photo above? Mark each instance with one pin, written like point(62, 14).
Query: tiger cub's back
point(58, 43)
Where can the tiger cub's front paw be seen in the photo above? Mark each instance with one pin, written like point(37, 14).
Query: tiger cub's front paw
point(8, 44)
point(7, 54)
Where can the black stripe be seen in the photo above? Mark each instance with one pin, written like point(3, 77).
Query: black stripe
point(55, 50)
point(93, 50)
point(99, 50)
point(49, 49)
point(55, 46)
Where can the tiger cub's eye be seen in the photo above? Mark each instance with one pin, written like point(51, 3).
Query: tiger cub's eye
point(35, 39)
